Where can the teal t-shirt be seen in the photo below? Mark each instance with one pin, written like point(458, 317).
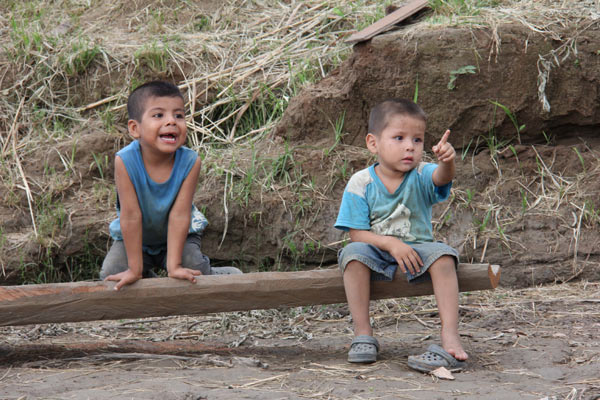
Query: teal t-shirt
point(405, 214)
point(156, 199)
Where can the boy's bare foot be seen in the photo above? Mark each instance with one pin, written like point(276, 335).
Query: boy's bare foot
point(451, 343)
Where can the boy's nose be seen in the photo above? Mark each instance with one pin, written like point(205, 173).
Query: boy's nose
point(170, 119)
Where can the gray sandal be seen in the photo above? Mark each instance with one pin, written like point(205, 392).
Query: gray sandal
point(225, 271)
point(364, 349)
point(433, 358)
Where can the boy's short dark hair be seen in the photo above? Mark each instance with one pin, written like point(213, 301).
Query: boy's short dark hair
point(137, 98)
point(382, 112)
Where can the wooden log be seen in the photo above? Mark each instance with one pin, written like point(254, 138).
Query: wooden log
point(388, 21)
point(89, 301)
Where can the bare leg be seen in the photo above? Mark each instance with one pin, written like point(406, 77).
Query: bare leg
point(357, 280)
point(445, 288)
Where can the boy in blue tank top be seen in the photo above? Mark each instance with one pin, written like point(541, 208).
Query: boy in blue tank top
point(157, 224)
point(387, 210)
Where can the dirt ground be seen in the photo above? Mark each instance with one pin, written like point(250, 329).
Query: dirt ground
point(537, 343)
point(525, 197)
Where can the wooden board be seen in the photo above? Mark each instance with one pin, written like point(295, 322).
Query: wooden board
point(89, 301)
point(388, 21)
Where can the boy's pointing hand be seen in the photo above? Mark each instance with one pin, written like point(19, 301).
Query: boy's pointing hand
point(444, 150)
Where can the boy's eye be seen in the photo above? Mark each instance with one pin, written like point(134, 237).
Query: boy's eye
point(179, 116)
point(157, 115)
point(398, 138)
point(418, 140)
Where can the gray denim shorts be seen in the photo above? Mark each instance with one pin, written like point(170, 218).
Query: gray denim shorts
point(383, 266)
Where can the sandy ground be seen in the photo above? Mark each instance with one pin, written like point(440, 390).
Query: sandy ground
point(540, 343)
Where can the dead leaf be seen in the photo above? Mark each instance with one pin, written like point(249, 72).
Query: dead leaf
point(443, 373)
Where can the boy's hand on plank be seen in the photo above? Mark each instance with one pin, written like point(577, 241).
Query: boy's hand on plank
point(123, 278)
point(184, 273)
point(444, 150)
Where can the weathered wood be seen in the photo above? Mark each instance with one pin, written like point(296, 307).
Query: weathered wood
point(89, 301)
point(388, 21)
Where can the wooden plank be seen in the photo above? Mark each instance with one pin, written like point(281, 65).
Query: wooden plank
point(89, 301)
point(388, 21)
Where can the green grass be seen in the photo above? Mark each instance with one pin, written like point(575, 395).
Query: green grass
point(519, 128)
point(580, 158)
point(51, 217)
point(467, 69)
point(52, 269)
point(27, 41)
point(281, 166)
point(338, 132)
point(100, 163)
point(80, 57)
point(154, 56)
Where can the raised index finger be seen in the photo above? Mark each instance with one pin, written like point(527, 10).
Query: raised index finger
point(444, 138)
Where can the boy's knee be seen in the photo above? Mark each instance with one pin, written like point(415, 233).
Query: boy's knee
point(355, 266)
point(111, 269)
point(445, 264)
point(193, 258)
point(115, 260)
point(447, 261)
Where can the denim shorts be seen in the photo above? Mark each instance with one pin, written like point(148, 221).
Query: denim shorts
point(383, 266)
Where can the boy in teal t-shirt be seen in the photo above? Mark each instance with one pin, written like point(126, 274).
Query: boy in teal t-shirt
point(387, 210)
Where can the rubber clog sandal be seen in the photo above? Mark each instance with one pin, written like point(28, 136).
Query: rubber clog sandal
point(225, 271)
point(433, 358)
point(364, 349)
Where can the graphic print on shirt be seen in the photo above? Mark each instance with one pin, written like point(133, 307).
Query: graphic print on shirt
point(396, 224)
point(198, 221)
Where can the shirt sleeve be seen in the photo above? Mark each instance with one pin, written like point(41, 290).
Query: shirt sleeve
point(354, 213)
point(434, 194)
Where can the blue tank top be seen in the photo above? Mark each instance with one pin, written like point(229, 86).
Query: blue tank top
point(156, 199)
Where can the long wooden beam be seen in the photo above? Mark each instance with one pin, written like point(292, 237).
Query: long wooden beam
point(89, 301)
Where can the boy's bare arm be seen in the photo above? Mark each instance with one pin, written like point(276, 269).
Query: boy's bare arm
point(405, 255)
point(446, 154)
point(179, 224)
point(131, 227)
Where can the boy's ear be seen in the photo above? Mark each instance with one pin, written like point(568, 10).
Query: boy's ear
point(371, 143)
point(133, 127)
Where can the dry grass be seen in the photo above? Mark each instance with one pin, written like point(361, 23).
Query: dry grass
point(64, 74)
point(228, 59)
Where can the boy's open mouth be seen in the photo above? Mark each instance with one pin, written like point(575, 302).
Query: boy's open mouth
point(169, 138)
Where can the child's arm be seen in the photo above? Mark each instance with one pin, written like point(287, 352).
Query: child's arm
point(131, 227)
point(179, 225)
point(405, 255)
point(446, 169)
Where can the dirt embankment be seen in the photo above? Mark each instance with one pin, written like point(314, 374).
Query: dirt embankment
point(527, 187)
point(526, 192)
